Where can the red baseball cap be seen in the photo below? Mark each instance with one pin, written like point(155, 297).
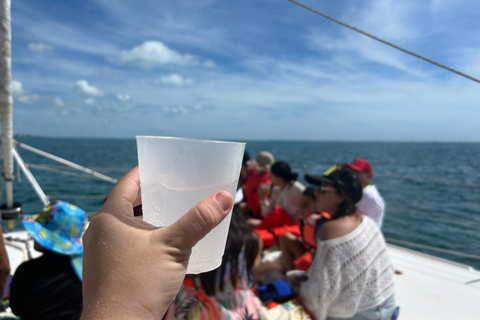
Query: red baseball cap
point(360, 165)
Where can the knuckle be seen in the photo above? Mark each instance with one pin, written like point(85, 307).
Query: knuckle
point(207, 215)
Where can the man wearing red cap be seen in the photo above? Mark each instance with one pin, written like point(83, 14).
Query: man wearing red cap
point(372, 203)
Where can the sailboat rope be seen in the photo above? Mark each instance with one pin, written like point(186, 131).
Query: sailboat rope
point(387, 43)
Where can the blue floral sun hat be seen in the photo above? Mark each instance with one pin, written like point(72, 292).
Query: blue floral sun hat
point(60, 229)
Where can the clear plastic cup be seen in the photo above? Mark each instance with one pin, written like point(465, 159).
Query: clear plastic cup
point(176, 174)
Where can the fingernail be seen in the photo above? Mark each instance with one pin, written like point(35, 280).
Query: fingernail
point(224, 200)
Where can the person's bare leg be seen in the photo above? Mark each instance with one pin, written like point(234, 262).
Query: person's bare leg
point(262, 268)
point(291, 249)
point(253, 223)
point(258, 258)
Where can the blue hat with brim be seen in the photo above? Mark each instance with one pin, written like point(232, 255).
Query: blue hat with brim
point(77, 263)
point(59, 228)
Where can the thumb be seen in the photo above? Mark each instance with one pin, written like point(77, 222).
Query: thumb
point(199, 221)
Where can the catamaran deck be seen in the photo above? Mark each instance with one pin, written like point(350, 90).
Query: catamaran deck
point(434, 288)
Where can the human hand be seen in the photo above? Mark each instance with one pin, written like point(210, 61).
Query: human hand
point(264, 191)
point(133, 270)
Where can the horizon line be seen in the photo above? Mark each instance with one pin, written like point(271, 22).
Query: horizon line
point(259, 140)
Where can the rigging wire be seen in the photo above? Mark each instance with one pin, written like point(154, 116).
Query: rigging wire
point(437, 215)
point(72, 196)
point(53, 166)
point(387, 43)
point(64, 171)
point(421, 246)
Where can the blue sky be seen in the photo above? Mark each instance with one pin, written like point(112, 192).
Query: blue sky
point(245, 70)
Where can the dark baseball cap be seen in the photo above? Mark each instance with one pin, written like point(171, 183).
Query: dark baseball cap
point(342, 177)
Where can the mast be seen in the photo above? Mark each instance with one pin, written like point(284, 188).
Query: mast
point(6, 100)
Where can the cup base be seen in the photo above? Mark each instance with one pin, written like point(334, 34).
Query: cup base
point(197, 268)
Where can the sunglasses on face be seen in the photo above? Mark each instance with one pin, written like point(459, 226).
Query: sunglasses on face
point(324, 189)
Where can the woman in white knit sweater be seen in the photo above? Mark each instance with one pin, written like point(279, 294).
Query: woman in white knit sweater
point(351, 276)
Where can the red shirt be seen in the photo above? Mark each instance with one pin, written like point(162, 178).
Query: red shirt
point(250, 190)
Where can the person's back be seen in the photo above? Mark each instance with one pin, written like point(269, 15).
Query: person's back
point(351, 275)
point(50, 287)
point(353, 270)
point(372, 203)
point(46, 288)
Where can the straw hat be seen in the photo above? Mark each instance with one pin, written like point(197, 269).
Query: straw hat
point(263, 161)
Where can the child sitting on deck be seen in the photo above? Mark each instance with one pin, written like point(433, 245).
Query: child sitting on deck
point(223, 293)
point(297, 251)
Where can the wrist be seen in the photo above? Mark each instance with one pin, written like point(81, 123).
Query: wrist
point(106, 309)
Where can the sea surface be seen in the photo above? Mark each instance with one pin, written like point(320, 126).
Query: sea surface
point(431, 190)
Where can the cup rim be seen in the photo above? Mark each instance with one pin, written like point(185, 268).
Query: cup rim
point(188, 139)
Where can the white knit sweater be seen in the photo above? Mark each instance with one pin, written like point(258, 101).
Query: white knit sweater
point(349, 274)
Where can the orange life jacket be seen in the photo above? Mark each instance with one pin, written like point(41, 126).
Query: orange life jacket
point(310, 229)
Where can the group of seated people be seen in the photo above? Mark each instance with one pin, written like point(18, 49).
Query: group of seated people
point(330, 231)
point(321, 230)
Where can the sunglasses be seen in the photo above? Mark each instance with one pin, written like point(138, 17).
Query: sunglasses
point(324, 189)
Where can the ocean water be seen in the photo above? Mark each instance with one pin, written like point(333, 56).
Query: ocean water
point(431, 190)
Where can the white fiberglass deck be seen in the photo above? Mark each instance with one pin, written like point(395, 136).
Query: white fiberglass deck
point(434, 288)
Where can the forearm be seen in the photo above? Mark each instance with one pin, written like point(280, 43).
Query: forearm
point(4, 265)
point(108, 309)
point(4, 274)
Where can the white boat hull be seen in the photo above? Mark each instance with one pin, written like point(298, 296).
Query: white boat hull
point(434, 288)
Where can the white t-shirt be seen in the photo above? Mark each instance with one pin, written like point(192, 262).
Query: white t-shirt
point(372, 204)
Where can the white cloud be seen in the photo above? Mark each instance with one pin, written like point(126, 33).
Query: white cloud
point(96, 99)
point(165, 128)
point(180, 110)
point(90, 101)
point(58, 102)
point(209, 64)
point(17, 88)
point(387, 19)
point(25, 97)
point(123, 97)
point(468, 60)
point(40, 47)
point(83, 88)
point(173, 79)
point(154, 53)
point(28, 99)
